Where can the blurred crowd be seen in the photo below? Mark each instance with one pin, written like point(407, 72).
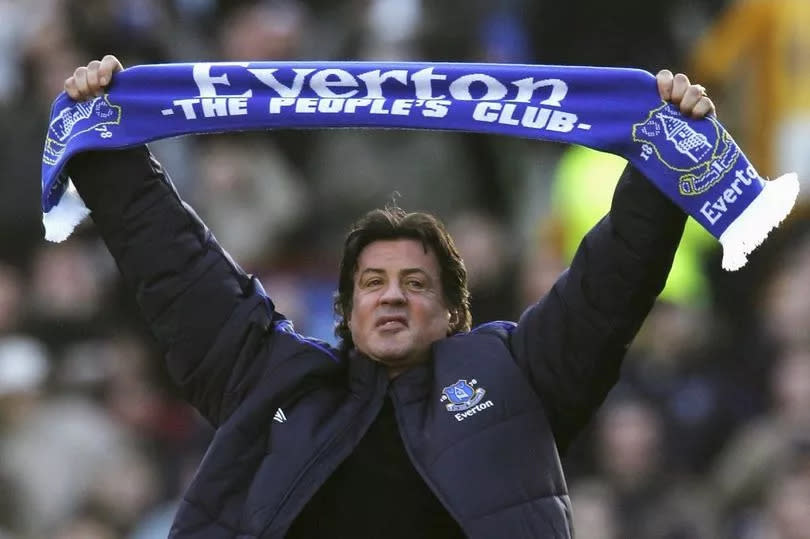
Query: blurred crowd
point(706, 436)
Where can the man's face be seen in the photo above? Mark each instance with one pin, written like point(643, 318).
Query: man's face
point(398, 306)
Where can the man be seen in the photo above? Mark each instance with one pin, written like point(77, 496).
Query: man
point(416, 426)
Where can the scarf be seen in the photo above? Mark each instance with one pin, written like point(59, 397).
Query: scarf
point(696, 163)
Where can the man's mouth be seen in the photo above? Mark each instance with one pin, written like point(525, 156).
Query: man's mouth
point(391, 322)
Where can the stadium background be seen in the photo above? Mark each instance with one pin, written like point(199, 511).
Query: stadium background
point(707, 435)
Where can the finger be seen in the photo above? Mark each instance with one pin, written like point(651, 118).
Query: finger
point(664, 79)
point(80, 76)
point(93, 84)
point(71, 89)
point(691, 97)
point(680, 83)
point(704, 107)
point(109, 65)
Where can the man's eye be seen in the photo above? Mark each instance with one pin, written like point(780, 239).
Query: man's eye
point(374, 282)
point(414, 283)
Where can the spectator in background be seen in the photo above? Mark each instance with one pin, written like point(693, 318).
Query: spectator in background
point(247, 185)
point(650, 500)
point(86, 525)
point(785, 514)
point(141, 30)
point(490, 257)
point(68, 285)
point(784, 312)
point(648, 41)
point(53, 448)
point(249, 182)
point(44, 49)
point(773, 92)
point(765, 448)
point(596, 515)
point(11, 299)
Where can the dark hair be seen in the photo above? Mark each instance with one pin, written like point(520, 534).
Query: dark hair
point(390, 223)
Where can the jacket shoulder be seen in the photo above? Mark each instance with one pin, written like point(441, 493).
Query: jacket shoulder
point(478, 339)
point(284, 326)
point(500, 328)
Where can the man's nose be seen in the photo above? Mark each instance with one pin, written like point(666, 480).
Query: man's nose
point(393, 293)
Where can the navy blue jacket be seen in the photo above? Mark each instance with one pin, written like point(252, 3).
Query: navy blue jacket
point(483, 421)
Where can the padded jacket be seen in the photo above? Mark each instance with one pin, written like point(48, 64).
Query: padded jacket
point(484, 420)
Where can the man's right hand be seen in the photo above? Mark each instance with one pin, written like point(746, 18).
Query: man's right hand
point(91, 80)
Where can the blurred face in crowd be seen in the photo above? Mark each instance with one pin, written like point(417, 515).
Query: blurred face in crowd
point(398, 306)
point(630, 435)
point(791, 386)
point(788, 501)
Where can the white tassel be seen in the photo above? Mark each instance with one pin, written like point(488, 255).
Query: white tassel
point(65, 216)
point(754, 224)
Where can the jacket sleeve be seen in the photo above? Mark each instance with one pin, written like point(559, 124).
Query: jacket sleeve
point(572, 342)
point(210, 317)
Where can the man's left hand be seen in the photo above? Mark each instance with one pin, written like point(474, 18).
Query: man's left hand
point(691, 98)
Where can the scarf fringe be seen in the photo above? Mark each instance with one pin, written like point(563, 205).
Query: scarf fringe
point(65, 217)
point(754, 224)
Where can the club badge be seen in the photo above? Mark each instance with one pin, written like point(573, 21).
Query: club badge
point(701, 151)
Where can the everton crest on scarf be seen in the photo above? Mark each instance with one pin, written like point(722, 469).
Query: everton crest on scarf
point(695, 162)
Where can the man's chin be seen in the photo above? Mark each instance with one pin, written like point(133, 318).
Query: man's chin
point(390, 358)
point(395, 356)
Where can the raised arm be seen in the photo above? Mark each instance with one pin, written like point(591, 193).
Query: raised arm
point(208, 315)
point(573, 340)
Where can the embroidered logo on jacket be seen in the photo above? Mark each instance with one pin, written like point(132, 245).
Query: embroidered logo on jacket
point(463, 397)
point(279, 416)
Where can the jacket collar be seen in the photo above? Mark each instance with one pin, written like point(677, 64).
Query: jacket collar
point(366, 375)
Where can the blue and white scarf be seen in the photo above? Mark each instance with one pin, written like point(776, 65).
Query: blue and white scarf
point(694, 162)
